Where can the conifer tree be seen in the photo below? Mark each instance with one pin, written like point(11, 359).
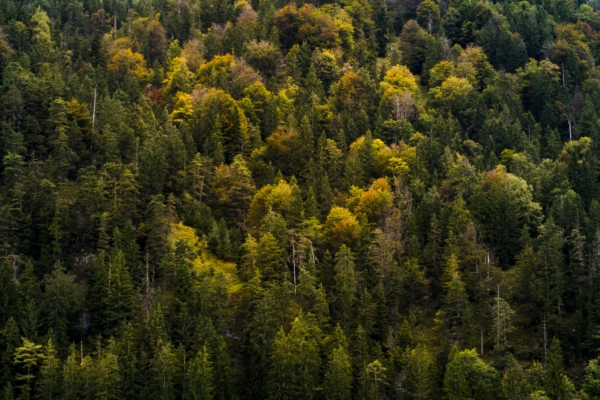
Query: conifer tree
point(28, 355)
point(49, 384)
point(8, 296)
point(269, 258)
point(374, 377)
point(514, 385)
point(295, 361)
point(200, 377)
point(62, 299)
point(217, 350)
point(383, 25)
point(558, 385)
point(345, 284)
point(113, 292)
point(455, 299)
point(417, 365)
point(413, 46)
point(164, 371)
point(337, 383)
point(591, 383)
point(157, 230)
point(30, 298)
point(9, 341)
point(105, 373)
point(72, 375)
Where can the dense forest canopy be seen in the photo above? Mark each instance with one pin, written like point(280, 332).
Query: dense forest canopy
point(263, 199)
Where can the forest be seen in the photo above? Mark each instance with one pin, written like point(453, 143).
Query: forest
point(281, 200)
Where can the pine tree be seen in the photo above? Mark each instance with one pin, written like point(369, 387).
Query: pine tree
point(514, 385)
point(269, 259)
point(558, 385)
point(9, 341)
point(345, 285)
point(551, 268)
point(366, 156)
point(326, 195)
point(311, 206)
point(555, 144)
point(157, 230)
point(62, 299)
point(375, 380)
point(295, 361)
point(383, 27)
point(337, 383)
point(30, 298)
point(428, 16)
point(588, 123)
point(197, 175)
point(502, 321)
point(571, 69)
point(127, 197)
point(126, 353)
point(417, 366)
point(249, 257)
point(207, 336)
point(307, 141)
point(413, 46)
point(9, 294)
point(113, 292)
point(591, 383)
point(164, 371)
point(28, 355)
point(361, 356)
point(8, 392)
point(200, 377)
point(105, 373)
point(72, 375)
point(49, 385)
point(455, 299)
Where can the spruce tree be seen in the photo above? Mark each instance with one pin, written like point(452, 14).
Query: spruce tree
point(200, 377)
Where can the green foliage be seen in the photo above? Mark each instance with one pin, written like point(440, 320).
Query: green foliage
point(28, 356)
point(49, 385)
point(558, 385)
point(201, 199)
point(417, 364)
point(295, 361)
point(468, 377)
point(200, 377)
point(337, 382)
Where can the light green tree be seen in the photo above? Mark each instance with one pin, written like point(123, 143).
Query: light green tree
point(28, 356)
point(105, 374)
point(49, 384)
point(469, 377)
point(375, 376)
point(295, 361)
